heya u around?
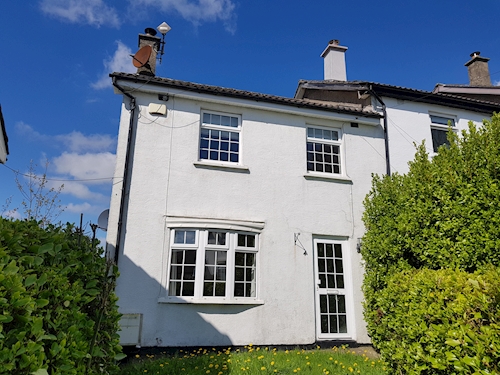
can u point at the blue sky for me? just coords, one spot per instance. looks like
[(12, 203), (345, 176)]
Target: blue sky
[(58, 103)]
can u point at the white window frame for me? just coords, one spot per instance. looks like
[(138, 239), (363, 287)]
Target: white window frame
[(338, 143), (440, 126), (231, 247), (220, 128)]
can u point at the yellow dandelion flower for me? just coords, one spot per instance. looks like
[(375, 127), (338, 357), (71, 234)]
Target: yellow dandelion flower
[(262, 368), (137, 356), (208, 371), (211, 365), (331, 358), (272, 363), (308, 363)]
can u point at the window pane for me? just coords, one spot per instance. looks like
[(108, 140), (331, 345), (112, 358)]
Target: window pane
[(235, 136), (318, 133), (206, 118), (189, 272), (210, 257), (221, 258), (439, 138), (241, 240), (215, 119), (342, 324), (250, 240), (177, 256), (211, 238), (240, 259), (329, 250), (224, 146), (190, 256), (208, 289), (239, 274), (221, 239), (239, 289), (338, 250), (339, 268), (220, 289), (234, 122), (179, 236), (225, 120), (188, 289), (250, 259), (209, 273), (333, 324), (340, 281), (221, 274), (234, 158), (190, 237), (174, 288), (250, 290), (176, 272)]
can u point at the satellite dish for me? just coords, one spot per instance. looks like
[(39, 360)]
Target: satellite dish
[(141, 57), (102, 221)]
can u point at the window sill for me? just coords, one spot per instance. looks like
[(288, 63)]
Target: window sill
[(222, 166), (327, 177), (210, 301)]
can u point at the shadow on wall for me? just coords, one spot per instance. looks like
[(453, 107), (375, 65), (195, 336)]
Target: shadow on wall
[(168, 324)]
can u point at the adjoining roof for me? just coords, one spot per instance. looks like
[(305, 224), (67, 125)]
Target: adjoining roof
[(466, 89), (4, 133), (399, 92), (242, 94)]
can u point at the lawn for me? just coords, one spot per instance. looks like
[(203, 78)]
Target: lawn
[(255, 360)]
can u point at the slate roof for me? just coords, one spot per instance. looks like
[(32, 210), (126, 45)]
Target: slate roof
[(243, 94)]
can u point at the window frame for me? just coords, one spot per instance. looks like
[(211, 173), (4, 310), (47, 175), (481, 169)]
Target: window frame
[(440, 127), (230, 129), (231, 247), (339, 143)]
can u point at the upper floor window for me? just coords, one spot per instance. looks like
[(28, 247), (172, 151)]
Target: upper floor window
[(213, 264), (323, 150), (439, 130), (220, 137)]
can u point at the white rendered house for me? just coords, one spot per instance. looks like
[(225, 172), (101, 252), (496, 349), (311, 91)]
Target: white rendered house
[(239, 217)]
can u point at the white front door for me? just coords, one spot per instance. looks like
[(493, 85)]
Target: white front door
[(333, 315)]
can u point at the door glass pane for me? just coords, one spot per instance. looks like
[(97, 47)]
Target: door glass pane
[(342, 324), (322, 304), (340, 281), (332, 303), (333, 324), (324, 323), (341, 304)]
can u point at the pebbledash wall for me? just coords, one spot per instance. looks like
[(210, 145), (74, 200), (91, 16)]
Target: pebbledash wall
[(269, 194)]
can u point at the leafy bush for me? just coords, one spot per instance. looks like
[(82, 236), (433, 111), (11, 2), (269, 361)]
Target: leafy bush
[(444, 213), (57, 306), (441, 322)]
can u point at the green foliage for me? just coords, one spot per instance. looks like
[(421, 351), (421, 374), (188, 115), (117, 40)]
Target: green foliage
[(445, 213), (441, 322), (55, 287)]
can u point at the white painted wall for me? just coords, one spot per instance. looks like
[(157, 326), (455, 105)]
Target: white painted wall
[(164, 181), (3, 148), (409, 123)]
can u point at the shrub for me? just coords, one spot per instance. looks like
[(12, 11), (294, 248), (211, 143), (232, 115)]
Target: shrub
[(57, 307), (441, 322), (445, 213)]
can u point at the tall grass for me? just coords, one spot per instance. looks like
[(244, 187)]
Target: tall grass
[(256, 360)]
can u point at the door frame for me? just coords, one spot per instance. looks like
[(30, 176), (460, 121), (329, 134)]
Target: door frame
[(349, 300)]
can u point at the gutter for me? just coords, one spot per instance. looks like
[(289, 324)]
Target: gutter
[(386, 135), (125, 171)]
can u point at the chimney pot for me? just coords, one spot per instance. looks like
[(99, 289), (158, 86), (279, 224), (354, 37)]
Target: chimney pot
[(150, 31)]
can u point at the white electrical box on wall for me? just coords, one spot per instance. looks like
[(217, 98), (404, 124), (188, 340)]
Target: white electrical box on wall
[(130, 333), (157, 109)]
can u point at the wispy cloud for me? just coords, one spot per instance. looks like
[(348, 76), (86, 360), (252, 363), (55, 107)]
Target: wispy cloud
[(197, 12), (92, 12), (119, 62)]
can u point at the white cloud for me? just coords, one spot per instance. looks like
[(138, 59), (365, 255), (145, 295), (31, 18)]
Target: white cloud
[(79, 190), (74, 141), (86, 166), (78, 142), (92, 12), (80, 208), (198, 11), (119, 62), (12, 214)]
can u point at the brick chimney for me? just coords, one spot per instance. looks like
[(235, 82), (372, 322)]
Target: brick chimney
[(334, 61), (149, 38), (479, 74)]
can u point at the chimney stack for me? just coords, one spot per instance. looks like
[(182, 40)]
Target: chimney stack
[(479, 74), (334, 61), (149, 38)]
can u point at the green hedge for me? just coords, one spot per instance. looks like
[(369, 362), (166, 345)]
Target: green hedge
[(57, 307), (440, 322)]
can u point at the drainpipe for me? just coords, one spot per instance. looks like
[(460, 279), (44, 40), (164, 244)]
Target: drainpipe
[(386, 135), (125, 172)]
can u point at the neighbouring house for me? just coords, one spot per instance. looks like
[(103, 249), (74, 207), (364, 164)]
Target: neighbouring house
[(409, 116), (239, 216), (4, 140)]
